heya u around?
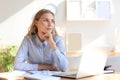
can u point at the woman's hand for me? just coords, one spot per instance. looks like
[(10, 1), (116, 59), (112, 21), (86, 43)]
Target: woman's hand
[(48, 67), (49, 38)]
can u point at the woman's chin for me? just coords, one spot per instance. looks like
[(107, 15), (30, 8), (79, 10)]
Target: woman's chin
[(49, 31)]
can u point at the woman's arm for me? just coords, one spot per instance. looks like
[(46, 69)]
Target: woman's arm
[(59, 55), (48, 67), (59, 51), (22, 56)]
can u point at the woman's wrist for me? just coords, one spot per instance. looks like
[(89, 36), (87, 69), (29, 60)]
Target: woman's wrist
[(41, 67), (48, 67), (53, 46)]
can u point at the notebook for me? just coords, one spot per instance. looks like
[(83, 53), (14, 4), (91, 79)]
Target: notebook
[(92, 62)]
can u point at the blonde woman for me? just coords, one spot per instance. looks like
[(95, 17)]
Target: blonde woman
[(42, 48)]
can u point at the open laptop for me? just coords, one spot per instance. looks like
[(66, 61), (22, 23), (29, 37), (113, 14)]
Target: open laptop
[(92, 62)]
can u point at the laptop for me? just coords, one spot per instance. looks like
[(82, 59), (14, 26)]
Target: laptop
[(92, 62)]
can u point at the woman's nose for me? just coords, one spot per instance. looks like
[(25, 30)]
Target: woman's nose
[(50, 23)]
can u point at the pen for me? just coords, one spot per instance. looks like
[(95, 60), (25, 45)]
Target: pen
[(29, 72)]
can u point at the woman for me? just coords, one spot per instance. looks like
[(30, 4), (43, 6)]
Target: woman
[(42, 48)]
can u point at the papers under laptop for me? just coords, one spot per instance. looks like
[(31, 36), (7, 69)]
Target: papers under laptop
[(92, 62)]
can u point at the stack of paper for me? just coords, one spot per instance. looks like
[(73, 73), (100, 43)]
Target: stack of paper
[(40, 77)]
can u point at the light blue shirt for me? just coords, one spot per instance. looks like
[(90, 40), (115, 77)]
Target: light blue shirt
[(33, 52)]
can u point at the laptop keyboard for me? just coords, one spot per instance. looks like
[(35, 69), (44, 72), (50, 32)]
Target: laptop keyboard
[(65, 74), (71, 75)]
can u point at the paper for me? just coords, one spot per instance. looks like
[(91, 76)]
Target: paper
[(17, 72), (36, 76), (44, 72)]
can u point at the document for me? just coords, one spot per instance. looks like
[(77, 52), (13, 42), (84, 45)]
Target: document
[(31, 75), (40, 75)]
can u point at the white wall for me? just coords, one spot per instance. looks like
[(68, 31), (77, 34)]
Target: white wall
[(15, 18), (92, 30)]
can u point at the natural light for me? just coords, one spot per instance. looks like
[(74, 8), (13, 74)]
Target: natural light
[(14, 28)]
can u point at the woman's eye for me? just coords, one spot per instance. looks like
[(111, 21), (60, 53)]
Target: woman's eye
[(46, 20), (53, 21)]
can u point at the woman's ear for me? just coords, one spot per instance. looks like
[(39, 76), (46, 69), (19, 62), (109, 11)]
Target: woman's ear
[(36, 22)]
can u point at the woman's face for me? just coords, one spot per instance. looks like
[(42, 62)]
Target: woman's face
[(46, 23)]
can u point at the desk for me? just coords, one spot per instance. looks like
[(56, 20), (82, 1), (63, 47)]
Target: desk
[(113, 76), (114, 53)]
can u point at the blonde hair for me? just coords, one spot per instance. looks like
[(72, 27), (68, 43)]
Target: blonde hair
[(33, 29)]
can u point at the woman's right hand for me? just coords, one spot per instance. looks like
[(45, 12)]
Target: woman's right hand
[(48, 67)]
